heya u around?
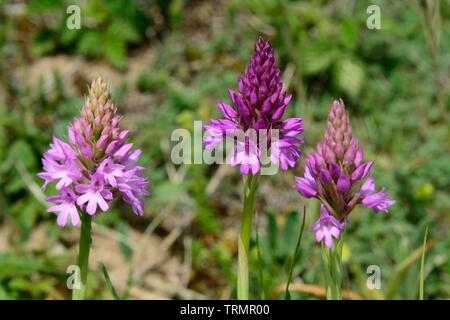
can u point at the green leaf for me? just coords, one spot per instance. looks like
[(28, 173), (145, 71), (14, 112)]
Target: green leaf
[(19, 151), (349, 76), (272, 232), (124, 30), (348, 34), (15, 266), (115, 51), (36, 288), (316, 58), (150, 82), (38, 6), (42, 44), (91, 44), (290, 231), (70, 37), (167, 192)]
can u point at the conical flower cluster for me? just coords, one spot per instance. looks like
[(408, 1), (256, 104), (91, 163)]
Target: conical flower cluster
[(259, 106), (96, 165), (338, 176)]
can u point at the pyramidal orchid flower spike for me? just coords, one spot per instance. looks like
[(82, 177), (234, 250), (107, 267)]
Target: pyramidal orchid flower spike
[(258, 106), (255, 116), (95, 166), (338, 176)]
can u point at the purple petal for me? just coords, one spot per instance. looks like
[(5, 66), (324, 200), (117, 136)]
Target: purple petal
[(343, 183)]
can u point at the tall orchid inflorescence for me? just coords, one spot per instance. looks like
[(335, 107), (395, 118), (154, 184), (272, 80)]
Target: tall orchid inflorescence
[(337, 175), (259, 106), (254, 127), (96, 165)]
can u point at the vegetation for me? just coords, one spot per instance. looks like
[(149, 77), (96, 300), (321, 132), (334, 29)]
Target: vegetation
[(170, 62)]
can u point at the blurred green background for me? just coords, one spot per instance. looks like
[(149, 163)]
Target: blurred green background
[(169, 62)]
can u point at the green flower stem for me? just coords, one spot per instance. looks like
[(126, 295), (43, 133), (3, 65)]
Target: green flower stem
[(244, 237), (83, 255), (332, 259)]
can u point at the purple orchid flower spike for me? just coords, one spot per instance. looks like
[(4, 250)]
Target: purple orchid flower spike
[(253, 125), (93, 168), (96, 165), (258, 106), (338, 176)]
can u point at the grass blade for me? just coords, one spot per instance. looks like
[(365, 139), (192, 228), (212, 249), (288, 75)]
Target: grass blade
[(260, 271), (399, 271), (422, 264), (108, 281), (287, 295)]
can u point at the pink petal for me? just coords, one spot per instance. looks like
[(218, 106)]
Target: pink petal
[(102, 203), (328, 240), (84, 198), (62, 218), (92, 205)]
